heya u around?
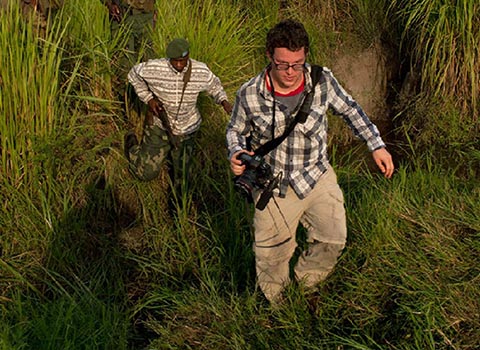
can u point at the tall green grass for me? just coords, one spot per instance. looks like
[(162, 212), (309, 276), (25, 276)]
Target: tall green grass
[(31, 102), (421, 256), (91, 259), (89, 42), (55, 290), (442, 40), (231, 42)]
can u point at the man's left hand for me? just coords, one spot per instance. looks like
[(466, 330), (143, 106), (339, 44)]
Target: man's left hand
[(115, 11), (383, 159), (227, 106)]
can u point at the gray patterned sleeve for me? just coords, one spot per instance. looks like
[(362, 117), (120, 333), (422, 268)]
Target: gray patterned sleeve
[(135, 78)]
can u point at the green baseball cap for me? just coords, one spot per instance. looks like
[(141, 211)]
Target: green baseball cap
[(177, 48)]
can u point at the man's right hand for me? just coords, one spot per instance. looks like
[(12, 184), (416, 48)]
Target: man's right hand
[(115, 11), (236, 164), (155, 106)]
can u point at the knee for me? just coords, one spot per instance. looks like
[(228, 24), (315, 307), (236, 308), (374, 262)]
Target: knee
[(144, 175), (327, 251), (275, 254)]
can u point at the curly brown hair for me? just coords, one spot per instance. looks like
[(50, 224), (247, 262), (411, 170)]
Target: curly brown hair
[(288, 33)]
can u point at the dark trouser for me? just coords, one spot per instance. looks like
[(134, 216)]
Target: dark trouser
[(148, 157), (138, 45)]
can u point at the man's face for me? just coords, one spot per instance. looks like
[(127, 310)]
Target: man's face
[(179, 63), (287, 68)]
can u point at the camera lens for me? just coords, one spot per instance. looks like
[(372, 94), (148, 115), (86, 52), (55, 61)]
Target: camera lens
[(244, 184), (243, 188)]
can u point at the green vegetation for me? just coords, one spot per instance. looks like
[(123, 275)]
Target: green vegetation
[(442, 38), (90, 258)]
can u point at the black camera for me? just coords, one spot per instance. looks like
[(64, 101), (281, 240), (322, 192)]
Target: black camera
[(257, 175)]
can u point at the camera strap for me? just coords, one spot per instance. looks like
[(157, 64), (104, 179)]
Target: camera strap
[(300, 117)]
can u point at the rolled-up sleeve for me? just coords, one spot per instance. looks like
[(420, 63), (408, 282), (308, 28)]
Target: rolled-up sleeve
[(215, 88), (237, 128), (353, 114)]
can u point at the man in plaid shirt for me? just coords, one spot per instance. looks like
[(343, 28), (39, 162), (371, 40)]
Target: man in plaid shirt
[(308, 191)]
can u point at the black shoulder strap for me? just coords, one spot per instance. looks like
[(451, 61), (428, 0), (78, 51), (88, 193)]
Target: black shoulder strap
[(186, 79), (301, 116)]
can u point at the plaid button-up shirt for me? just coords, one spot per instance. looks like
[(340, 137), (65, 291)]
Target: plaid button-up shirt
[(302, 156)]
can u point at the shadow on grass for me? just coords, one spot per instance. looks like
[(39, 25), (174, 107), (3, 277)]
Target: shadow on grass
[(88, 270)]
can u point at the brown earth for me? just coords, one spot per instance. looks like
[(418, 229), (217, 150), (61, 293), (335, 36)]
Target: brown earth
[(365, 75)]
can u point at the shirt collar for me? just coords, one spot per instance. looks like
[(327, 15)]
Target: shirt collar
[(265, 91)]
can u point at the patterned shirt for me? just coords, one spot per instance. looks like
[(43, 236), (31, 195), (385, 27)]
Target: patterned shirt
[(302, 156), (157, 78)]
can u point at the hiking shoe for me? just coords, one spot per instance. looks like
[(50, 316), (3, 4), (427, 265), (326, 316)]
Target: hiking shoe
[(129, 141)]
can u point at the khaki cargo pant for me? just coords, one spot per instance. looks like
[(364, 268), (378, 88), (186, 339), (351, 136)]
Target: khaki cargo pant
[(322, 214)]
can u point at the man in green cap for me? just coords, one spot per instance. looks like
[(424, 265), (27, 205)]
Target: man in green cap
[(170, 87)]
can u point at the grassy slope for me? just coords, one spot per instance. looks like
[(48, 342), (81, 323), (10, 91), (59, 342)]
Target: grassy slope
[(90, 259)]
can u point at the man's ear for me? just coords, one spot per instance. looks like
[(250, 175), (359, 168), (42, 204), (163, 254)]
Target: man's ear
[(269, 56)]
